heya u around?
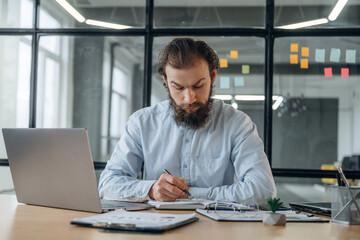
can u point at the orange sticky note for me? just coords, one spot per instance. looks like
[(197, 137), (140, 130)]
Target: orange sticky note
[(294, 59), (305, 51), (345, 72), (223, 63), (304, 63), (294, 47), (328, 72), (233, 54)]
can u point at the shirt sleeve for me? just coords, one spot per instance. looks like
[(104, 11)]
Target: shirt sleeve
[(254, 181), (118, 180)]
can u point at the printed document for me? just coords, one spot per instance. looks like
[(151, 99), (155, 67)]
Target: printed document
[(253, 216), (141, 220)]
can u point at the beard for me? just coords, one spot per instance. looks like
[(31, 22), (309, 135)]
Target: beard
[(193, 120)]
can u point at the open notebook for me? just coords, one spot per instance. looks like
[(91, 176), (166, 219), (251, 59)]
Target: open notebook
[(181, 204), (186, 204)]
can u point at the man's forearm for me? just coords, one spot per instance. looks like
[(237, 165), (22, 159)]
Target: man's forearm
[(114, 186), (241, 192)]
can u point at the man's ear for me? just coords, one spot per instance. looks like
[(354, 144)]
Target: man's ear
[(165, 82), (213, 76)]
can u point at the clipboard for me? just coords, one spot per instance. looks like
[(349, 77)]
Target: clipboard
[(137, 222)]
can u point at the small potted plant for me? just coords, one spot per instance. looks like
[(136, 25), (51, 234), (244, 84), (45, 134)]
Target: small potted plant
[(273, 218)]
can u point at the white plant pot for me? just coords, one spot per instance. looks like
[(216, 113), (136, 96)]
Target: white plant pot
[(274, 219)]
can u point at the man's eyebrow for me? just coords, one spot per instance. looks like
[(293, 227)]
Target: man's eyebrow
[(193, 85), (199, 81), (175, 83)]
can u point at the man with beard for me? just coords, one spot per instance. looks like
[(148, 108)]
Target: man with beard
[(212, 149)]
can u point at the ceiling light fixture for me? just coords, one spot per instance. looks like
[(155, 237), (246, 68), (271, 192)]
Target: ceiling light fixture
[(337, 9), (305, 24), (223, 97), (250, 97), (278, 101), (71, 10), (106, 24)]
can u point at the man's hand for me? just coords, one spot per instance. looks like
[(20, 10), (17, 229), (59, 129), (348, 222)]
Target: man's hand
[(168, 188)]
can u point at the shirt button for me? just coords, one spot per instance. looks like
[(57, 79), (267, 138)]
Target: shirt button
[(185, 166), (186, 140)]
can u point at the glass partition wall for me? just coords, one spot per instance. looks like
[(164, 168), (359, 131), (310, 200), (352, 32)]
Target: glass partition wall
[(292, 66)]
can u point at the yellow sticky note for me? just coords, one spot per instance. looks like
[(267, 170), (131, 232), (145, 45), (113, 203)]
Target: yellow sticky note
[(304, 63), (305, 51), (294, 47), (294, 59), (233, 54), (223, 63), (245, 69)]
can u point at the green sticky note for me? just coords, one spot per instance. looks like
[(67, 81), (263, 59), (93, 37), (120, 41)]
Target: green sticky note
[(245, 69)]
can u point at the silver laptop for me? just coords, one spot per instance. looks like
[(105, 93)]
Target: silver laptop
[(54, 168)]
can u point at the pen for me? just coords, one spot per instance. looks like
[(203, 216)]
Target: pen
[(185, 191)]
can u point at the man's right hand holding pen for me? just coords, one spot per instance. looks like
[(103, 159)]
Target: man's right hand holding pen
[(168, 188)]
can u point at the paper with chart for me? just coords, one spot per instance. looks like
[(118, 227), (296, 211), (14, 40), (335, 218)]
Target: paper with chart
[(250, 216), (139, 219)]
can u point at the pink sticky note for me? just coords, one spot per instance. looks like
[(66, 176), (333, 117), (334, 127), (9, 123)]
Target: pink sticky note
[(328, 72), (345, 72)]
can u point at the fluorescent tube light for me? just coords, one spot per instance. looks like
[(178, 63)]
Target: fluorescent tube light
[(223, 97), (254, 97), (305, 24), (250, 97), (337, 9), (278, 101), (71, 10), (106, 24)]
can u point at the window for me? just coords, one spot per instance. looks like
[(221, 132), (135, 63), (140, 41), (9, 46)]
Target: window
[(94, 14), (119, 110), (89, 82), (316, 14), (16, 13), (209, 14), (15, 59), (316, 123)]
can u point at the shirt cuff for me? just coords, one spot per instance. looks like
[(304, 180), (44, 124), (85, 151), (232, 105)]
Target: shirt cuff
[(199, 192), (145, 188)]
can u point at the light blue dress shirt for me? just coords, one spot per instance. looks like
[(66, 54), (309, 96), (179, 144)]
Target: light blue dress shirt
[(224, 160)]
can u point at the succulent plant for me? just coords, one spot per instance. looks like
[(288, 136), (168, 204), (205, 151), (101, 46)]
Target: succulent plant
[(274, 204)]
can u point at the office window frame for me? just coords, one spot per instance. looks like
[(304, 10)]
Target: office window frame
[(269, 33)]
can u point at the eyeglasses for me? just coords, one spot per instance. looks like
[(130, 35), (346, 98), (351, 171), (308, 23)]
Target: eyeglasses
[(228, 209)]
